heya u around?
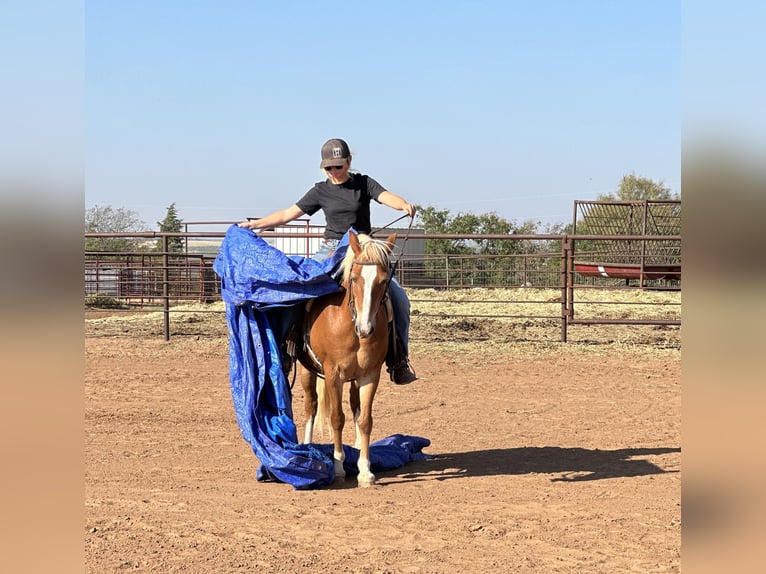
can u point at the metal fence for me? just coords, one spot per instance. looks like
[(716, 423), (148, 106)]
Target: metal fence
[(151, 279)]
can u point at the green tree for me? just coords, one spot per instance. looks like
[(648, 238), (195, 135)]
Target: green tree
[(108, 219), (615, 218), (171, 224), (482, 271), (635, 188), (435, 220)]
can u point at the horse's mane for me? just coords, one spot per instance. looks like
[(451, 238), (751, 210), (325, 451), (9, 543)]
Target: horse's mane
[(373, 251)]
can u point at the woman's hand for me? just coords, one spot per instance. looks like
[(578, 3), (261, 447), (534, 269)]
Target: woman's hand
[(250, 224), (409, 209)]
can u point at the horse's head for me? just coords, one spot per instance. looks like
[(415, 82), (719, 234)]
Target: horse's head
[(365, 274)]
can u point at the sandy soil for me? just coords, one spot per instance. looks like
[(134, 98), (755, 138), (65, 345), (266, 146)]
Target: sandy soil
[(561, 461)]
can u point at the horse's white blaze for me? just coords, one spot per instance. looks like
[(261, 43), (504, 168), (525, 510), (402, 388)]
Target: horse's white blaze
[(369, 274)]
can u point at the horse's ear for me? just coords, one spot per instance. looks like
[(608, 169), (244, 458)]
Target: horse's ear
[(353, 242), (391, 242)]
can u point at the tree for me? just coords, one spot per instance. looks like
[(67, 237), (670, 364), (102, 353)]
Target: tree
[(634, 188), (441, 221), (171, 224), (107, 219), (483, 271), (630, 219), (437, 221)]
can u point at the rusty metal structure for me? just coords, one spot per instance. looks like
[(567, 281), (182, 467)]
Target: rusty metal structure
[(166, 279), (646, 260)]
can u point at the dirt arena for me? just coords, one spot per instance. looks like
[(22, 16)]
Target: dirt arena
[(552, 458)]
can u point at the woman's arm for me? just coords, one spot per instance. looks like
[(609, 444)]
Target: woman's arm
[(272, 220), (396, 202)]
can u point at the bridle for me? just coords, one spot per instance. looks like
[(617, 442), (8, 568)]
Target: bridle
[(351, 300), (391, 267)]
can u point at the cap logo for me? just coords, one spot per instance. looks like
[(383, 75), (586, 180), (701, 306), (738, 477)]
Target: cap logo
[(337, 152)]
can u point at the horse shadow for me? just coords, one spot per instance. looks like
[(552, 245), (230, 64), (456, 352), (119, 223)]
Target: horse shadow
[(570, 464)]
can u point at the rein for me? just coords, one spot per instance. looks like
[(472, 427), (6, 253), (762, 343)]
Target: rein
[(392, 268)]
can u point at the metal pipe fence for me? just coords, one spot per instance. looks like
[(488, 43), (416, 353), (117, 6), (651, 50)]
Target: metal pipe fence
[(152, 276)]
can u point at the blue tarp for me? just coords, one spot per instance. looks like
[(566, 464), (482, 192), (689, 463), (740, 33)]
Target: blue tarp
[(259, 285)]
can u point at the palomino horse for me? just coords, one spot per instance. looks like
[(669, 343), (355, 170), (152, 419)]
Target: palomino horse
[(346, 339)]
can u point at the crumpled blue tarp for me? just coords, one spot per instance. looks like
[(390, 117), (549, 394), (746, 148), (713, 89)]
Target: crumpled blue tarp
[(259, 284)]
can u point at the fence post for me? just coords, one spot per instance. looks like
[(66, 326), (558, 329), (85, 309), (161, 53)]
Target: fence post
[(565, 248), (166, 287)]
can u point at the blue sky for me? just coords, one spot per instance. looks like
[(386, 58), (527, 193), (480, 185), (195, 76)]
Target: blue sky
[(496, 105)]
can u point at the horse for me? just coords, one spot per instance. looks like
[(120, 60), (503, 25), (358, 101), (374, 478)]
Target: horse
[(346, 340)]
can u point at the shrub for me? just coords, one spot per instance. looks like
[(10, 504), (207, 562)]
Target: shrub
[(103, 301)]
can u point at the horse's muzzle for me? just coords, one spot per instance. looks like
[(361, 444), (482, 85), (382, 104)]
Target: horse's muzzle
[(364, 334)]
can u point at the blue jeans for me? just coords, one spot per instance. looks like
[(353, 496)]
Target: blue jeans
[(399, 300)]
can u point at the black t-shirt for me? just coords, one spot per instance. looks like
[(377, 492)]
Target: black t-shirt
[(345, 205)]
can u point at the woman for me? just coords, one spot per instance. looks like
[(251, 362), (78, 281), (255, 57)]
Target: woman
[(344, 198)]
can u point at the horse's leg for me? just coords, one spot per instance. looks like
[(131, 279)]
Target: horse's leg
[(309, 384), (334, 395), (353, 400), (364, 426)]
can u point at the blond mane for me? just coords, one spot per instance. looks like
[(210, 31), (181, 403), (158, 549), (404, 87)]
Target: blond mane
[(373, 251)]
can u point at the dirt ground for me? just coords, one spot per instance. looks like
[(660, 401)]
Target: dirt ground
[(566, 460)]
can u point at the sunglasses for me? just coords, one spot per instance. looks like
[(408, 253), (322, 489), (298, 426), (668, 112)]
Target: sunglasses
[(332, 167)]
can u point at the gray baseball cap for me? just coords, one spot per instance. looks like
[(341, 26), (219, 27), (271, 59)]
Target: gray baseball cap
[(334, 152)]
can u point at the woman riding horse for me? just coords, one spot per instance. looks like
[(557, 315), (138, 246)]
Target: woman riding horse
[(344, 198)]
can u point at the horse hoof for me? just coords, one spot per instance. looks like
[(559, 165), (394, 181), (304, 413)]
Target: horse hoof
[(366, 482)]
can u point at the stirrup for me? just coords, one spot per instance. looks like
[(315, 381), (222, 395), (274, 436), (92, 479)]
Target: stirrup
[(403, 373)]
